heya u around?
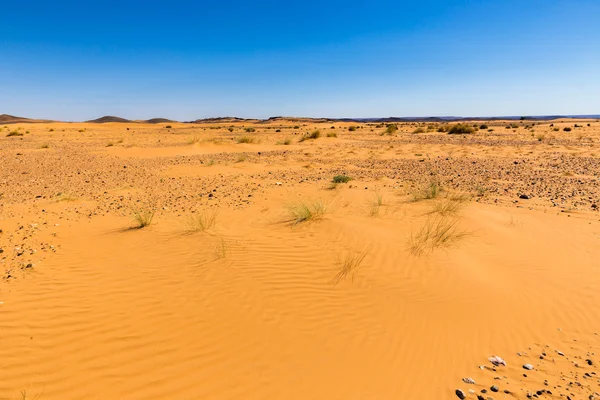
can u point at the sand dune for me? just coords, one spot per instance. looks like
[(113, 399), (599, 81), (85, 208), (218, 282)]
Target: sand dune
[(258, 278)]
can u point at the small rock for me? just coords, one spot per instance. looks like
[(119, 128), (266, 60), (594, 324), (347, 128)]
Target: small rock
[(496, 361), (528, 367), (470, 381), (494, 388), (460, 394)]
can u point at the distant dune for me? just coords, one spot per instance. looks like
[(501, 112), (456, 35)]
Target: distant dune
[(109, 118)]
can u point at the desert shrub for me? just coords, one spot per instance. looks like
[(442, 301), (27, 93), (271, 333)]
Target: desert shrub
[(483, 126), (460, 129), (245, 139), (443, 128), (278, 130), (230, 129), (249, 130), (14, 133), (331, 134), (168, 127), (419, 130), (391, 129), (313, 135), (341, 179), (567, 129), (352, 128)]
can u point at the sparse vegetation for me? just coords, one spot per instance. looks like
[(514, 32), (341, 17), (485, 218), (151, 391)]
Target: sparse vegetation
[(431, 191), (250, 130), (202, 221), (436, 233), (419, 130), (303, 212), (341, 179), (142, 217), (44, 146), (352, 128), (331, 134), (391, 129), (447, 206), (567, 129), (349, 265), (245, 139), (14, 133), (461, 129), (311, 136)]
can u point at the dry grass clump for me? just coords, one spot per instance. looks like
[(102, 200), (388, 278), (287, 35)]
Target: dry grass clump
[(313, 135), (14, 133), (375, 206), (286, 142), (193, 139), (349, 265), (445, 207), (431, 191), (245, 139), (202, 221), (142, 217), (437, 233), (304, 211), (461, 129), (44, 146), (331, 134)]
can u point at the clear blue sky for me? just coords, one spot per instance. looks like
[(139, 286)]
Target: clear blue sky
[(77, 60)]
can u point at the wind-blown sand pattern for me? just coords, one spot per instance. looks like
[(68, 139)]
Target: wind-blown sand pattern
[(379, 293)]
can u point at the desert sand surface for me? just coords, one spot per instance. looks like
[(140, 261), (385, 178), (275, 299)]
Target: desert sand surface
[(257, 277)]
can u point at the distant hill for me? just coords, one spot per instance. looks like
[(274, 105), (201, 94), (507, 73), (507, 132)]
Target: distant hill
[(157, 121), (11, 119), (108, 118), (221, 120)]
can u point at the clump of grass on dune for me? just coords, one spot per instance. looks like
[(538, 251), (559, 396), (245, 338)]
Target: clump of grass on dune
[(142, 217), (430, 191), (311, 136), (14, 133), (305, 211), (436, 233), (193, 139), (44, 146), (349, 265), (375, 206), (200, 222), (447, 206), (245, 139)]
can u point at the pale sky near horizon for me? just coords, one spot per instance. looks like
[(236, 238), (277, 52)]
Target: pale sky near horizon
[(185, 60)]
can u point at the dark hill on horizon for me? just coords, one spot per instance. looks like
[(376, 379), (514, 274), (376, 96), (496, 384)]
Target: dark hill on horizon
[(108, 118), (12, 119)]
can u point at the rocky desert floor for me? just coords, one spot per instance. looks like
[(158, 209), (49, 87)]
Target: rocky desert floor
[(221, 261)]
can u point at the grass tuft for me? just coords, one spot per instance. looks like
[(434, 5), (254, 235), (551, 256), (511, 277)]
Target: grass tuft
[(349, 265), (142, 217), (437, 233), (201, 222), (303, 212), (245, 139)]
